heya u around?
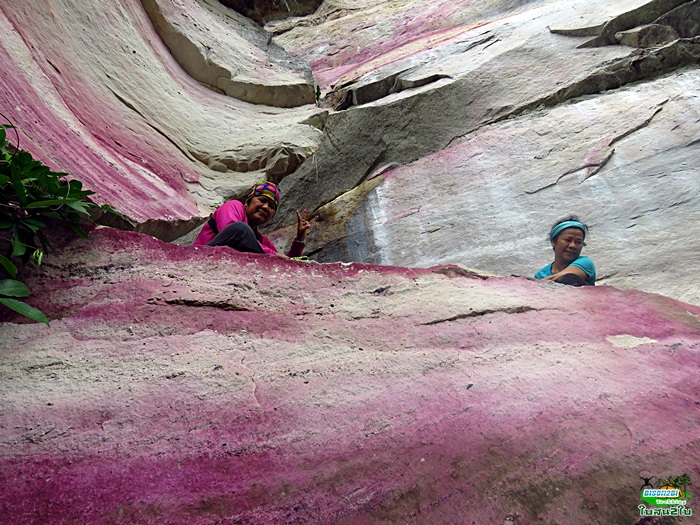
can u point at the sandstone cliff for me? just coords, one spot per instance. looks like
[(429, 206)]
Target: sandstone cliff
[(390, 384), (199, 386)]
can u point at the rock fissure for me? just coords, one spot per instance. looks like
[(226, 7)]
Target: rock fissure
[(479, 313), (595, 166), (207, 303), (639, 126)]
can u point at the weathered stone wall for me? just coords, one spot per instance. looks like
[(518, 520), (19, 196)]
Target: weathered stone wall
[(197, 386), (492, 127), (94, 92)]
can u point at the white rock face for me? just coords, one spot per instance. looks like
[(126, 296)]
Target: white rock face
[(624, 161), (452, 132), (499, 129)]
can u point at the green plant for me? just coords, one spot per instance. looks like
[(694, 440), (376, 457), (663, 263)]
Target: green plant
[(32, 196), (10, 288)]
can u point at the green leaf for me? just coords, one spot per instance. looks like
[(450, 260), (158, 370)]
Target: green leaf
[(52, 202), (18, 245), (49, 182), (81, 207), (3, 135), (16, 174), (34, 222), (5, 225), (7, 264), (77, 229), (29, 225), (38, 169), (18, 249), (109, 209), (13, 288), (25, 310), (23, 158)]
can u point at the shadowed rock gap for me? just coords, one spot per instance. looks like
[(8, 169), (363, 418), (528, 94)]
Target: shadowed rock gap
[(195, 303), (264, 11), (480, 313), (646, 14)]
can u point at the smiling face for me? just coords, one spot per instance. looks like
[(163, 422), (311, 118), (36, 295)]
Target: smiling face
[(567, 246), (259, 210)]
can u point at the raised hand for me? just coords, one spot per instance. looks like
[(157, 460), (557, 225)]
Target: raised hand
[(303, 226)]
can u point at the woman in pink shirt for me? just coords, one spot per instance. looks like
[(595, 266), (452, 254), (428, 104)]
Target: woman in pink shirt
[(235, 223)]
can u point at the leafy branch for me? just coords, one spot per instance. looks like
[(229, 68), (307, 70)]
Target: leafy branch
[(31, 197)]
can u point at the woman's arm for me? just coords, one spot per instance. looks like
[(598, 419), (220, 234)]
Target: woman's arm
[(569, 269)]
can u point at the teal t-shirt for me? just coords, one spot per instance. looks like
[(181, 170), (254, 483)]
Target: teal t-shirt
[(585, 263)]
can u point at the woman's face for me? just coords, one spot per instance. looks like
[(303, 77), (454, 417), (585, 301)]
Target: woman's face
[(259, 210), (568, 245)]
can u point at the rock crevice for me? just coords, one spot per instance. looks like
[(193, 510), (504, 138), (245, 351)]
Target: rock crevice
[(264, 11)]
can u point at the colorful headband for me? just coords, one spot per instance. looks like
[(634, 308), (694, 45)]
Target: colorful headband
[(265, 189), (567, 224)]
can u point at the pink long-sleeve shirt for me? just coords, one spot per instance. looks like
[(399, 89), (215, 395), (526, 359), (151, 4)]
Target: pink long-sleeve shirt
[(234, 211)]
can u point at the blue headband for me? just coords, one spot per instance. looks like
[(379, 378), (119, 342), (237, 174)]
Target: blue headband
[(567, 224)]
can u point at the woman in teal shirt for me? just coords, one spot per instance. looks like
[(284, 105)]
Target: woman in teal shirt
[(569, 267)]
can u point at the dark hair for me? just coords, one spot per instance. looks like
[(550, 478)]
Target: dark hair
[(566, 219)]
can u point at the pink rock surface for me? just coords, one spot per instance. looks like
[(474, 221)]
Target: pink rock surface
[(75, 125), (380, 33), (344, 41), (184, 385), (95, 93)]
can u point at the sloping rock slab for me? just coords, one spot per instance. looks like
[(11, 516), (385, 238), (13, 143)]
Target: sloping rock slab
[(497, 68), (193, 386), (226, 51), (345, 40), (95, 93)]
